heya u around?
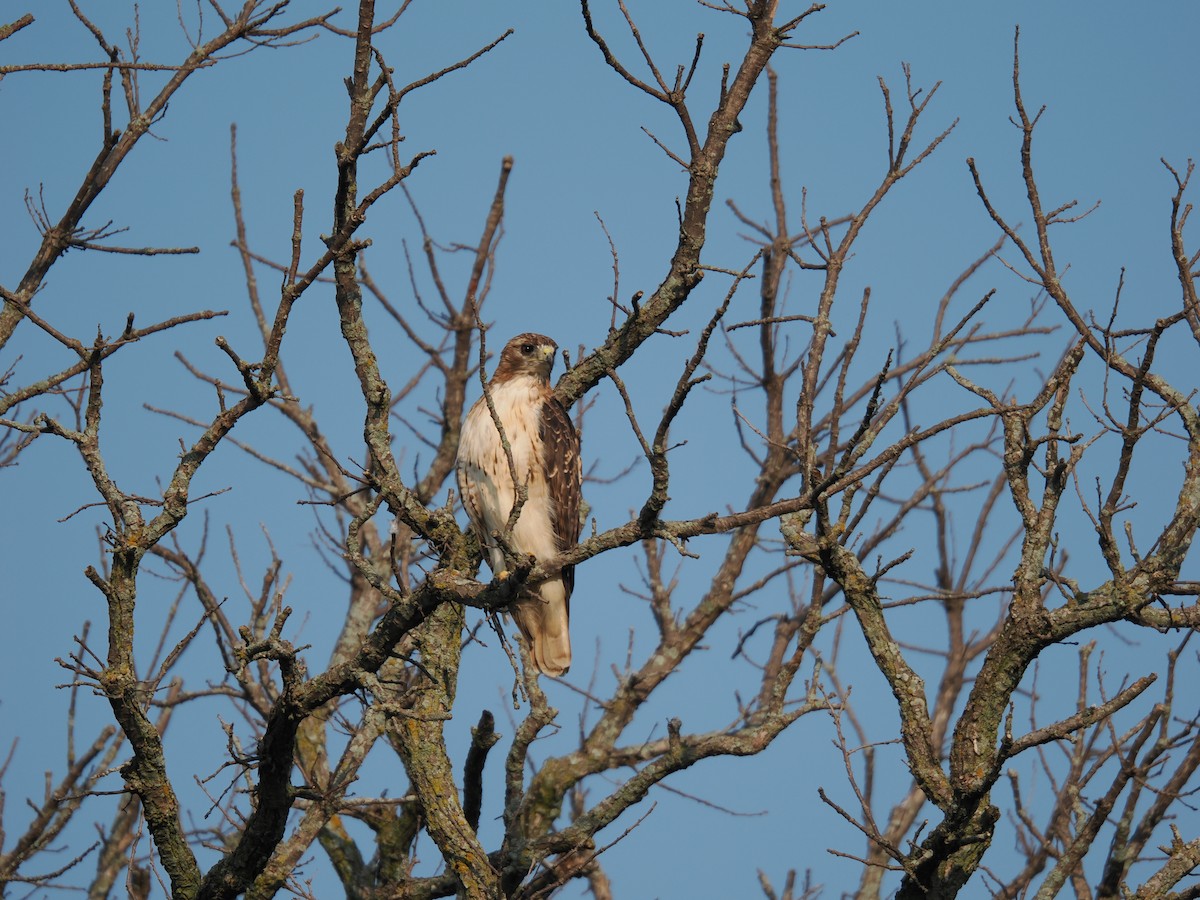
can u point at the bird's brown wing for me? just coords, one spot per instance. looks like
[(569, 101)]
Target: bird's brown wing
[(562, 469)]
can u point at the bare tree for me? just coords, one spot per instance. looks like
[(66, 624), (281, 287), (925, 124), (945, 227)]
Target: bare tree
[(844, 449)]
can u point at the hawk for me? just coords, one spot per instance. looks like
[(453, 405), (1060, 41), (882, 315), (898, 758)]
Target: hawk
[(545, 453)]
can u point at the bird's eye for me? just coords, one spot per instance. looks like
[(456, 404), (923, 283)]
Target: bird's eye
[(527, 349)]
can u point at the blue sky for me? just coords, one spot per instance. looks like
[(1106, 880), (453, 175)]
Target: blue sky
[(1116, 85)]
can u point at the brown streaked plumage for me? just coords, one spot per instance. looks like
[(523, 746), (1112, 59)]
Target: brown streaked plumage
[(545, 451)]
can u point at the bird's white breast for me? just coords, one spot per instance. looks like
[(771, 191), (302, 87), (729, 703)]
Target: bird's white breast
[(517, 402), (482, 460)]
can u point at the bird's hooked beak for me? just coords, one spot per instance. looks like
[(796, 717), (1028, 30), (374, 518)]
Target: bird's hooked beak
[(547, 352)]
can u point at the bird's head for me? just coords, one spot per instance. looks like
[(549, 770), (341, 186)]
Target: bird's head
[(527, 354)]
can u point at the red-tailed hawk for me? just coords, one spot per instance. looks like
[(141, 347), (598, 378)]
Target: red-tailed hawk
[(545, 452)]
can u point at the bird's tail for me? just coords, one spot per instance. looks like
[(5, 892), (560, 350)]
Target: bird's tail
[(543, 619)]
